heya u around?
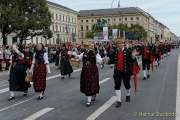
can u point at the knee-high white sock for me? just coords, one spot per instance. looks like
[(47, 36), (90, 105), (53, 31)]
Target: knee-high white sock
[(118, 95), (144, 72), (89, 98), (128, 92), (11, 93)]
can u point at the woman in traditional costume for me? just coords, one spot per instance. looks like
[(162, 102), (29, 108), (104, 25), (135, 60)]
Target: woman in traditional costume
[(89, 81), (66, 68), (17, 74), (39, 69)]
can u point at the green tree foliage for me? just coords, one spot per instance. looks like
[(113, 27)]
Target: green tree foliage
[(26, 18)]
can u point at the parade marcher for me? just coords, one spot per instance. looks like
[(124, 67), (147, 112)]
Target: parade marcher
[(123, 70), (17, 74), (146, 60), (157, 54), (89, 81), (1, 57), (65, 66), (28, 54), (7, 54), (39, 69)]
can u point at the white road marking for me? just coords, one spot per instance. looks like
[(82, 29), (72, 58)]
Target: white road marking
[(39, 114), (105, 80), (3, 85), (16, 104), (102, 109), (178, 91), (48, 78), (4, 90), (56, 76)]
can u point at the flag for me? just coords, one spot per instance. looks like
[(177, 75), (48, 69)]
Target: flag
[(119, 4)]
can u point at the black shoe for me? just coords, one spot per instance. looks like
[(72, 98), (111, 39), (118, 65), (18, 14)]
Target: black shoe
[(127, 98), (25, 94), (144, 78), (11, 98), (94, 98), (118, 104), (40, 97), (62, 78), (148, 76), (88, 104)]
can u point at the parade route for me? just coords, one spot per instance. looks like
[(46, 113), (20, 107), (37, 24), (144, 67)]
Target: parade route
[(63, 100)]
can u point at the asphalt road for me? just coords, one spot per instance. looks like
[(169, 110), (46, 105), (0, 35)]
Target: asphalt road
[(64, 101)]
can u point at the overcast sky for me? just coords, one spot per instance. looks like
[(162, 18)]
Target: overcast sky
[(165, 11)]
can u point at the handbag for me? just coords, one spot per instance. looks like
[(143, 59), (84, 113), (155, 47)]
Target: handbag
[(29, 77)]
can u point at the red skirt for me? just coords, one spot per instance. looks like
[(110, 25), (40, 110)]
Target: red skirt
[(89, 83), (39, 77)]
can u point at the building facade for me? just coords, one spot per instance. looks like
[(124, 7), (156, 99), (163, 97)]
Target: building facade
[(115, 16), (64, 27)]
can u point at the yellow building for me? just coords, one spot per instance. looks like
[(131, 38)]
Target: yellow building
[(129, 16), (64, 25)]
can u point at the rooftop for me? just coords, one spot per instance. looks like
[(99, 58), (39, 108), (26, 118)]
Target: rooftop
[(113, 11), (61, 6)]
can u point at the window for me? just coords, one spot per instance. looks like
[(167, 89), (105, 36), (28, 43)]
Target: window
[(119, 19), (87, 21), (63, 18), (81, 28), (53, 27), (56, 27), (92, 21), (114, 19), (60, 28), (125, 19), (81, 21), (137, 18), (56, 16), (132, 18), (109, 20), (87, 28), (82, 35), (60, 17)]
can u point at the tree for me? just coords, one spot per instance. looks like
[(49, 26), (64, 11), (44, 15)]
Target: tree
[(26, 18), (8, 16), (34, 20)]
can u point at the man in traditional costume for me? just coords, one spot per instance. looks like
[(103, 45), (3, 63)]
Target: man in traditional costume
[(123, 70), (146, 60)]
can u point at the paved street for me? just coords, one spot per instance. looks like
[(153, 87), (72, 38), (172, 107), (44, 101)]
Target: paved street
[(64, 101)]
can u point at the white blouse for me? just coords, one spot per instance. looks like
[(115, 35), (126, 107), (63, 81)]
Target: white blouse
[(46, 61), (98, 58)]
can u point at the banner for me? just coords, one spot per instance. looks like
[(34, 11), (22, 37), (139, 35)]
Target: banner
[(114, 33), (105, 33)]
